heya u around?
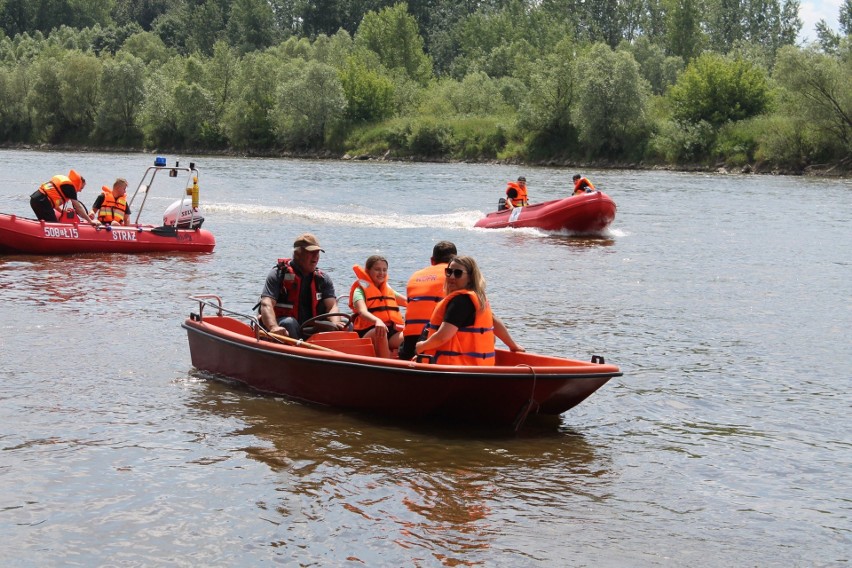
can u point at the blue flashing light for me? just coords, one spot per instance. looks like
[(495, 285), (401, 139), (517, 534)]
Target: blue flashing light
[(159, 161)]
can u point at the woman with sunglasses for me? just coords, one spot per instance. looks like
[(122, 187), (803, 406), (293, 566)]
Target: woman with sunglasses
[(462, 328)]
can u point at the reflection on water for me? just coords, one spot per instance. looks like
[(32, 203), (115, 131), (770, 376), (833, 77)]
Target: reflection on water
[(437, 485), (81, 277)]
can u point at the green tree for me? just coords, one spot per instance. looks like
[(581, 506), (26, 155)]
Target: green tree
[(660, 70), (369, 92), (219, 78), (122, 91), (816, 87), (44, 100), (725, 20), (610, 112), (310, 103), (717, 90), (18, 16), (246, 121), (158, 114), (148, 47), (142, 12), (683, 28), (545, 114), (392, 34), (15, 124), (251, 25), (845, 18), (80, 94)]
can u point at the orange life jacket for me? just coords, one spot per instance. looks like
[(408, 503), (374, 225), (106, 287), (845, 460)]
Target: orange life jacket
[(472, 345), (425, 289), (52, 189), (381, 302), (521, 199), (287, 302), (583, 184), (112, 209)]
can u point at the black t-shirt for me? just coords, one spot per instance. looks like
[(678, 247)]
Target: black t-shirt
[(68, 190), (460, 311), (512, 193)]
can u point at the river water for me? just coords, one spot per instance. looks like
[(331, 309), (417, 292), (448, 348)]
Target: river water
[(725, 300)]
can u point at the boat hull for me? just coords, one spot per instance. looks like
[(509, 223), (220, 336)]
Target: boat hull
[(585, 214), (503, 395), (19, 235)]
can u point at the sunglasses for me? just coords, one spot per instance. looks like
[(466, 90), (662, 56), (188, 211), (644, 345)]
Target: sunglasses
[(455, 272)]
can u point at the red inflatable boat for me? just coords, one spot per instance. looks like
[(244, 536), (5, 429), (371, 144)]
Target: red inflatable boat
[(586, 214), (181, 230)]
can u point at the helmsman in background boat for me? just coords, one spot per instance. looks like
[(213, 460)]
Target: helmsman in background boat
[(110, 207), (516, 193), (296, 290), (582, 185), (54, 195)]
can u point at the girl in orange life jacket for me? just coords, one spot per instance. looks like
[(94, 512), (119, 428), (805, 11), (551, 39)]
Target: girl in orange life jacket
[(376, 306), (462, 328), (110, 207), (54, 194)]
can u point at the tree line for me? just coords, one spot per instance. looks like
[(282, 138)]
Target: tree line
[(670, 82)]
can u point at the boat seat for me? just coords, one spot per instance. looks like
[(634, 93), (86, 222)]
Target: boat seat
[(325, 335), (230, 324), (354, 346)]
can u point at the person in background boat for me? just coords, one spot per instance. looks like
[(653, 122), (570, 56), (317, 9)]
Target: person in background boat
[(376, 306), (582, 185), (425, 289), (296, 290), (54, 195), (516, 193), (462, 328), (110, 207)]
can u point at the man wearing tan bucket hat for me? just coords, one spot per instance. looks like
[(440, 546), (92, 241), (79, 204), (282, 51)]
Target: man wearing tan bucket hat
[(296, 290)]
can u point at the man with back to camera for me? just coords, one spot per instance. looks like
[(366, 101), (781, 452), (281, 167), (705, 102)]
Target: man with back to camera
[(425, 289)]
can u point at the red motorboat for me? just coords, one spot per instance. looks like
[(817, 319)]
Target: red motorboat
[(341, 370), (585, 214), (180, 232)]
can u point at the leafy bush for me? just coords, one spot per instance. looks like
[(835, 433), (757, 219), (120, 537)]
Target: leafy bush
[(681, 143), (716, 90), (736, 142)]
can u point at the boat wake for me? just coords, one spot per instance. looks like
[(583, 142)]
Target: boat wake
[(455, 219)]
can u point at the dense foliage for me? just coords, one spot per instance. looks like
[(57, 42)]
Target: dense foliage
[(608, 81)]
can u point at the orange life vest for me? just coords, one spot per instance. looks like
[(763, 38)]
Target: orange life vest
[(425, 289), (584, 185), (472, 345), (521, 199), (112, 209), (287, 302), (381, 302), (52, 189)]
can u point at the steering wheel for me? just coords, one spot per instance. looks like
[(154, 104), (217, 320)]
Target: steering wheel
[(322, 323)]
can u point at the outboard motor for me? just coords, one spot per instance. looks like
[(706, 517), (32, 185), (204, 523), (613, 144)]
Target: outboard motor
[(182, 215), (501, 204)]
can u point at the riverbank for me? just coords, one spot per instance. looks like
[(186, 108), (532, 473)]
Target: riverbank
[(840, 170)]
